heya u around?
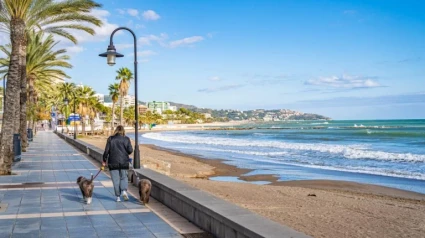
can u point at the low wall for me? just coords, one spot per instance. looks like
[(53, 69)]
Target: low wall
[(212, 214)]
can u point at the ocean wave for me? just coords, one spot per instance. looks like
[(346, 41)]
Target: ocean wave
[(310, 164), (350, 152), (365, 170), (238, 151), (319, 123)]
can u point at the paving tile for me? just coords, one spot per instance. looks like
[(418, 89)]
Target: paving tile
[(54, 233), (168, 235), (138, 234), (26, 235), (4, 234), (82, 232), (111, 234), (148, 217), (160, 228)]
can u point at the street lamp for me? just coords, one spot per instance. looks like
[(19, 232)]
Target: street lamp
[(110, 55), (66, 102), (154, 107)]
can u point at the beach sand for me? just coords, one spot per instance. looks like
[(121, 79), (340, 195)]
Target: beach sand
[(333, 209)]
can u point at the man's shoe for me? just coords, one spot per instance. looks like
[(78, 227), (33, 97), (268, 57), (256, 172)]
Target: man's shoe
[(118, 199), (124, 195)]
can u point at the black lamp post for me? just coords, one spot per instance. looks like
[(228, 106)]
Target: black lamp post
[(110, 55), (66, 102), (154, 107)]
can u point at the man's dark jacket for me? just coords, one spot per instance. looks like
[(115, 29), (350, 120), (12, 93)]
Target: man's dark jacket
[(117, 151)]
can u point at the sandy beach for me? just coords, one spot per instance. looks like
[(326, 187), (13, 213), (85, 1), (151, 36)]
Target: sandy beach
[(319, 208)]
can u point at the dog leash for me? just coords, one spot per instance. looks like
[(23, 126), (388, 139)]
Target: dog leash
[(101, 168), (132, 168)]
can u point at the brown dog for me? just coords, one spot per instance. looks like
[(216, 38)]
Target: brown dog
[(144, 190), (86, 187)]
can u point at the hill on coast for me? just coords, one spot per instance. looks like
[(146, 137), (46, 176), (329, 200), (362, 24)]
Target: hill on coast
[(257, 114)]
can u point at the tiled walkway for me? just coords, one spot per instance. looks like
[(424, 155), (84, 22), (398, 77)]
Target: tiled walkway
[(43, 199)]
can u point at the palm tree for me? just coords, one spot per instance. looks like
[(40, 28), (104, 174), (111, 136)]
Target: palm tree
[(94, 107), (16, 18), (43, 67), (125, 76), (129, 115), (66, 90), (84, 95), (114, 92)]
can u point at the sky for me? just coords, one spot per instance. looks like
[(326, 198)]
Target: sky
[(342, 59)]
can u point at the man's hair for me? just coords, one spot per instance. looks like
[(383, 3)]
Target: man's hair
[(119, 131)]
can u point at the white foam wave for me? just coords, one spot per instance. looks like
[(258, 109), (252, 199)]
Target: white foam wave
[(245, 152), (352, 169), (320, 123), (349, 152), (366, 170)]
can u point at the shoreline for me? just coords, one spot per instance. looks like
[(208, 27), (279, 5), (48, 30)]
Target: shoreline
[(319, 208), (223, 169)]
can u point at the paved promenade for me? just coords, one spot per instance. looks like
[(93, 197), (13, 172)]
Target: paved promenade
[(43, 199)]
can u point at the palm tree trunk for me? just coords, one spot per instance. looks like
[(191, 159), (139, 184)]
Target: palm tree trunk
[(92, 126), (31, 101), (121, 110), (17, 36), (83, 126), (23, 102), (113, 115)]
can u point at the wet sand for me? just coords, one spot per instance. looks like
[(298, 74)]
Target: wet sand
[(320, 208)]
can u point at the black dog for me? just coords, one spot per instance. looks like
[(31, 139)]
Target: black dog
[(86, 187)]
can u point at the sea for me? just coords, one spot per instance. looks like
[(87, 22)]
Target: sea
[(382, 152)]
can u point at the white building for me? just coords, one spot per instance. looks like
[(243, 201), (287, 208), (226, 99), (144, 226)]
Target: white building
[(100, 97), (128, 101)]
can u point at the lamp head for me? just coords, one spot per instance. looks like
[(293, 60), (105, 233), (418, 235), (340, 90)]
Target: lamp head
[(110, 55), (66, 101)]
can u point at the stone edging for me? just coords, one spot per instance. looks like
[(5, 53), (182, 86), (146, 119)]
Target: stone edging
[(212, 214)]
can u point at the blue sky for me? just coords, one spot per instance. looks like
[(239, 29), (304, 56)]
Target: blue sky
[(343, 59)]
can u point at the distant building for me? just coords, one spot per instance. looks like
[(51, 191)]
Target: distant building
[(100, 97), (158, 107), (207, 115), (142, 109), (128, 101)]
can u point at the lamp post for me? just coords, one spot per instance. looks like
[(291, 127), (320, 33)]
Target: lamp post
[(154, 107), (66, 102), (110, 55)]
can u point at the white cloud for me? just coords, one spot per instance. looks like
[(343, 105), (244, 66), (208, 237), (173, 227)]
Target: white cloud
[(121, 11), (345, 82), (138, 26), (211, 34), (215, 78), (150, 15), (222, 88), (186, 41), (74, 49), (133, 12), (146, 53), (147, 40), (123, 46), (130, 24)]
